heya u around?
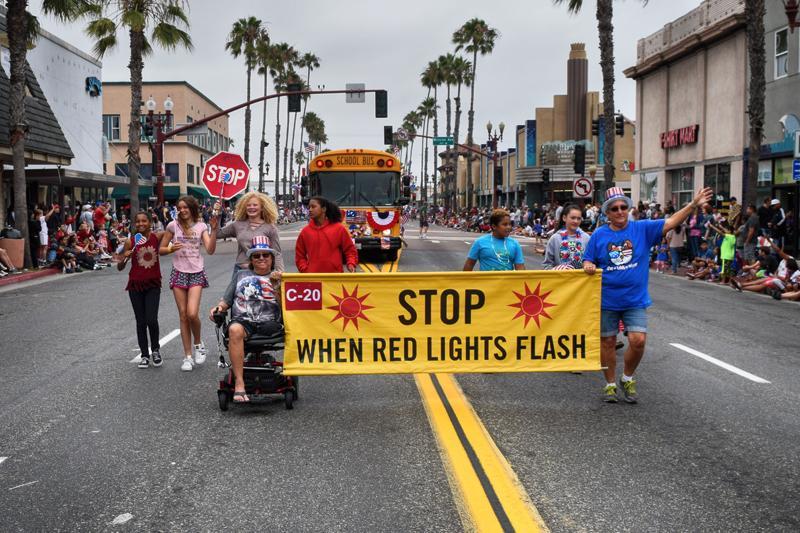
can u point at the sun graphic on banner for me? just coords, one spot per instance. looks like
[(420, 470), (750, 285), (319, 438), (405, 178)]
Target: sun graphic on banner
[(532, 305), (350, 307)]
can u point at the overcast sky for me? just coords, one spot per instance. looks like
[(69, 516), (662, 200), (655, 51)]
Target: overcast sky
[(387, 45)]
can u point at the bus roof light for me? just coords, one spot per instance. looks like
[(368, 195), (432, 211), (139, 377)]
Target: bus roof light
[(390, 163), (380, 163), (328, 163), (320, 163)]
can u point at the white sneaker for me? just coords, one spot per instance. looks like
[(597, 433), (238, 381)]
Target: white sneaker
[(200, 353), (188, 364)]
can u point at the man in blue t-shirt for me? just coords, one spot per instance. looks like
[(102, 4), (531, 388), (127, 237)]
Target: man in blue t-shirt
[(622, 249)]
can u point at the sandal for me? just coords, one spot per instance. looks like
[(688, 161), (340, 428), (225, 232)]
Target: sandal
[(240, 397)]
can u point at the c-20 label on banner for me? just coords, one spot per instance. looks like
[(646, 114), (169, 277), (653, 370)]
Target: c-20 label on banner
[(519, 321)]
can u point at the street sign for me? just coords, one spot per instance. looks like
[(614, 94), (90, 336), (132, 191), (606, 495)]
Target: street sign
[(401, 134), (582, 187), (202, 129), (796, 170), (439, 141), (225, 175), (355, 98)]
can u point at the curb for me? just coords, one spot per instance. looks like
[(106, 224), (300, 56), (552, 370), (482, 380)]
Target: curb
[(13, 279)]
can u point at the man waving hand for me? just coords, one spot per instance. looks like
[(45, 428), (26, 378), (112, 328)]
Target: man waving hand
[(622, 249)]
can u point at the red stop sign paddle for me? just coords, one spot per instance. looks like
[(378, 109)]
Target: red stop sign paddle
[(225, 175)]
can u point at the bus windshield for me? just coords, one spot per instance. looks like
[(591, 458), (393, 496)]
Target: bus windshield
[(360, 188)]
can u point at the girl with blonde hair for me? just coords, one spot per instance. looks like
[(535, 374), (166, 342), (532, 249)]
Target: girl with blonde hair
[(255, 215)]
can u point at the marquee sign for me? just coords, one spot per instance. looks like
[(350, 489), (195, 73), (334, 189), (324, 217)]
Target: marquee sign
[(679, 137)]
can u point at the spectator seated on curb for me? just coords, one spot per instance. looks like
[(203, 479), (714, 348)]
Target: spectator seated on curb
[(700, 261), (772, 285), (6, 266), (792, 290)]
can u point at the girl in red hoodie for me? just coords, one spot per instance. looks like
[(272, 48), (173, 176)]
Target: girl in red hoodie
[(324, 242)]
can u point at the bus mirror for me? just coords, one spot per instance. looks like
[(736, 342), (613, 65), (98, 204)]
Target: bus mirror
[(304, 199), (304, 181), (404, 200), (406, 182)]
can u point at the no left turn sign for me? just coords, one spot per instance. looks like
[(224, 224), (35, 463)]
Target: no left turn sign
[(582, 188)]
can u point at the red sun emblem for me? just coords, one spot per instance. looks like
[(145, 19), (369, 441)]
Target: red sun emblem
[(532, 305), (350, 307)]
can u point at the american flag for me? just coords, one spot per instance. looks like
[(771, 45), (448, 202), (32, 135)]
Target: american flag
[(310, 147), (404, 218)]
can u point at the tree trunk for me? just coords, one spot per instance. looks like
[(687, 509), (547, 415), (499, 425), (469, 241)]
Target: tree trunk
[(286, 156), (605, 28), (435, 147), (135, 126), (292, 160), (455, 145), (754, 14), (17, 44), (303, 120), (470, 124), (261, 147), (2, 198), (277, 149), (447, 174), (247, 117)]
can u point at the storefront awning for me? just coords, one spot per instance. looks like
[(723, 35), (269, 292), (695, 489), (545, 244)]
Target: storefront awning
[(123, 191), (199, 192)]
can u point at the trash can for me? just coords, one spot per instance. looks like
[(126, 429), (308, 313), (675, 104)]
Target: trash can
[(15, 248)]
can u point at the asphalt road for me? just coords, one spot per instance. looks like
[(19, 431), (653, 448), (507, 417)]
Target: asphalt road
[(87, 439)]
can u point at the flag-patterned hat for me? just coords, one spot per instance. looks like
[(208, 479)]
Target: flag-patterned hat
[(612, 195), (260, 244)]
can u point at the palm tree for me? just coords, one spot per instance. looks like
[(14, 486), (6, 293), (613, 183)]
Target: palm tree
[(283, 58), (462, 70), (477, 37), (309, 62), (291, 78), (303, 87), (22, 30), (164, 19), (431, 78), (754, 29), (244, 38), (426, 110), (265, 58)]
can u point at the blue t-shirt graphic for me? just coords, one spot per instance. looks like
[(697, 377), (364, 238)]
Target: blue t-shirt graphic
[(496, 254), (624, 257)]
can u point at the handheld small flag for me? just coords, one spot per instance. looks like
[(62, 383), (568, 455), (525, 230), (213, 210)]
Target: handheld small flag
[(139, 239)]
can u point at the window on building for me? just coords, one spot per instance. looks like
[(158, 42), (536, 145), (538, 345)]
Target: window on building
[(111, 127), (781, 53), (783, 172), (190, 173), (718, 177), (172, 172), (145, 170), (682, 186), (648, 187)]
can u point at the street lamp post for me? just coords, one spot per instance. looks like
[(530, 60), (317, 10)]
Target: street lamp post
[(492, 144), (158, 125)]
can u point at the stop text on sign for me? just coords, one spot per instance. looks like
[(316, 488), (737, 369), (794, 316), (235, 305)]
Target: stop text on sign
[(679, 137), (224, 174)]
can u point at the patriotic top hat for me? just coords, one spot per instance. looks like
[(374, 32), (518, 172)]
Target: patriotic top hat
[(612, 195), (260, 244)]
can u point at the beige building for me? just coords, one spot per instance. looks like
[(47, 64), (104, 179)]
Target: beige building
[(184, 156), (691, 92)]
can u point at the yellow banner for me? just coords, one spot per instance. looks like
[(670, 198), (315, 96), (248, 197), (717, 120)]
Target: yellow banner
[(452, 322)]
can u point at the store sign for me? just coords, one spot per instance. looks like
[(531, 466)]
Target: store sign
[(679, 137)]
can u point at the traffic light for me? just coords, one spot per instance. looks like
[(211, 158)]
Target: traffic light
[(580, 159), (388, 135), (294, 99), (406, 186), (498, 176), (619, 125), (545, 175), (148, 129), (381, 105), (596, 127)]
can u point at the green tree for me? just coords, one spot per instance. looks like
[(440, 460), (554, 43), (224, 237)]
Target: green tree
[(284, 57), (264, 58), (754, 15), (431, 78), (22, 30), (475, 37), (165, 20), (426, 110), (243, 40), (462, 72)]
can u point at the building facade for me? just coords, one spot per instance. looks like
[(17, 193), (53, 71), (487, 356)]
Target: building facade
[(691, 101), (184, 156)]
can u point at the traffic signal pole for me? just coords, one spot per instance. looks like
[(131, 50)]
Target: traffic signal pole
[(162, 136)]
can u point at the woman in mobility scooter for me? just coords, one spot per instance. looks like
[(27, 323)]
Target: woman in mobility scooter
[(253, 296)]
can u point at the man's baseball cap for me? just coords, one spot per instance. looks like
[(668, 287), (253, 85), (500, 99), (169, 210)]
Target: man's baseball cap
[(774, 201)]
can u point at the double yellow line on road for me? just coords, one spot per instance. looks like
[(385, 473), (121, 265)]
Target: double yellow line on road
[(488, 494), (492, 497)]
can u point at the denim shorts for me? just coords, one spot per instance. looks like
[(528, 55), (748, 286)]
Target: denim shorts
[(634, 320)]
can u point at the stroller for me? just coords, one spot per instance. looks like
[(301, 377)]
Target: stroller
[(263, 373)]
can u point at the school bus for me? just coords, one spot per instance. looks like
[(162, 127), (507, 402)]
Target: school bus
[(368, 187)]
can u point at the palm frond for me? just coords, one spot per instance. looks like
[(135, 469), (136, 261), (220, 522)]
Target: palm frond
[(104, 44), (100, 28)]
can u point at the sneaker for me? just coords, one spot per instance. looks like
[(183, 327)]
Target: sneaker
[(629, 390), (200, 353), (610, 394), (188, 364), (619, 345), (156, 358), (144, 362)]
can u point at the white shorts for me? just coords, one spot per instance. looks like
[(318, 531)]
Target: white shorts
[(43, 238)]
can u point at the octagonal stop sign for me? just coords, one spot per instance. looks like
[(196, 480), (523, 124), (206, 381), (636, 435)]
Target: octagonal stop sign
[(225, 175)]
